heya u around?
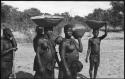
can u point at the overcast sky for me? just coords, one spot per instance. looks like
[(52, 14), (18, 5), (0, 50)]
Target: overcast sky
[(81, 8)]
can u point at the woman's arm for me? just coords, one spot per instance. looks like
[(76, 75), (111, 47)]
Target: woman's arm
[(38, 56), (78, 45), (88, 51), (57, 59), (103, 36), (7, 51), (35, 44), (13, 41)]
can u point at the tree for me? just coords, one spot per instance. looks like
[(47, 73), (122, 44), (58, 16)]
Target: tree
[(47, 14), (67, 16), (79, 18), (98, 14), (118, 13), (118, 6), (57, 14), (118, 10), (5, 10), (32, 12), (114, 16)]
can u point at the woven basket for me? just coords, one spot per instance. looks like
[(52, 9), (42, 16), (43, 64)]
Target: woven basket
[(79, 31), (47, 20), (95, 24)]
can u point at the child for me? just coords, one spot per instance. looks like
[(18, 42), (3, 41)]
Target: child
[(94, 51)]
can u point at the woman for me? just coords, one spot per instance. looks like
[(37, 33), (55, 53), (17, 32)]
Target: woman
[(8, 45), (45, 54), (69, 53)]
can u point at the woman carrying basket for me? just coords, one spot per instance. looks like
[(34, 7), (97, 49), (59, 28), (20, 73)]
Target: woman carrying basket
[(69, 52), (44, 47)]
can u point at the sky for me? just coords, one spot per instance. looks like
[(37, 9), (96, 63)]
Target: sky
[(81, 8)]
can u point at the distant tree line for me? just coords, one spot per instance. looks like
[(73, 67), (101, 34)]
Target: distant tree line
[(114, 16), (20, 21)]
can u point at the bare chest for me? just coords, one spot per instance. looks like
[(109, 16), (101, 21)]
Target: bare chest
[(95, 42), (5, 44), (70, 47)]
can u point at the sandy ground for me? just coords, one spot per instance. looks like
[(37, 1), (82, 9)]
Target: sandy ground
[(111, 64)]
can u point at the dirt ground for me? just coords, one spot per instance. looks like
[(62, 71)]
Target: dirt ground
[(111, 63)]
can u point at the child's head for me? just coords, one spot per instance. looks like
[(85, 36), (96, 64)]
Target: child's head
[(58, 40), (68, 30), (95, 32), (76, 66)]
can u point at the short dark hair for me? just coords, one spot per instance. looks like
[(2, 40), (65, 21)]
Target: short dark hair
[(66, 27), (7, 32), (48, 28)]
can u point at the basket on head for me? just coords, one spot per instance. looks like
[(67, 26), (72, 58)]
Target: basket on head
[(95, 24), (79, 30), (47, 20)]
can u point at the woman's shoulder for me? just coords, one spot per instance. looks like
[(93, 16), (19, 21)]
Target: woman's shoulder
[(73, 40)]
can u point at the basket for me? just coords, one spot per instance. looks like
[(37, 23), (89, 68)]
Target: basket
[(95, 24), (79, 31), (47, 20)]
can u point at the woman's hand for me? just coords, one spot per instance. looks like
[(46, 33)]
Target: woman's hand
[(69, 74), (42, 70), (80, 48), (15, 49), (86, 60)]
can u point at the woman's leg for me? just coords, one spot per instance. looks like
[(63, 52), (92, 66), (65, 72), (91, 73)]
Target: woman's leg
[(74, 75), (91, 66), (96, 68), (60, 75), (6, 70), (38, 75), (49, 74)]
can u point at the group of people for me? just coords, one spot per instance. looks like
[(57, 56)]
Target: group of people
[(46, 53)]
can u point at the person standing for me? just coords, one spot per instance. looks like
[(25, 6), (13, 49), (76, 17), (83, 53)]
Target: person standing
[(8, 46), (69, 52), (93, 51), (44, 47)]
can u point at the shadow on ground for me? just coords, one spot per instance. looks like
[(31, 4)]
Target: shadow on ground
[(81, 76), (22, 74)]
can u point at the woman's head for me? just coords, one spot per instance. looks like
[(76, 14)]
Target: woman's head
[(7, 33), (68, 30), (95, 32), (48, 30), (39, 30)]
